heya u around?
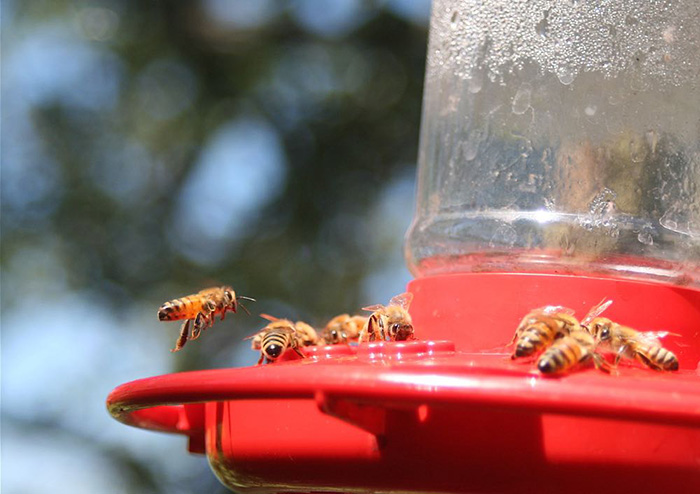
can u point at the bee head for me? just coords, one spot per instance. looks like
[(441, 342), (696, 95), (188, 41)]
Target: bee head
[(401, 331), (334, 336), (229, 296), (600, 328)]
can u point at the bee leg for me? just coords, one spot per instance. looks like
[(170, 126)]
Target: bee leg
[(383, 334), (364, 333), (197, 327), (618, 355), (207, 321), (184, 336), (262, 357), (372, 327), (601, 364), (299, 352), (361, 336), (207, 313)]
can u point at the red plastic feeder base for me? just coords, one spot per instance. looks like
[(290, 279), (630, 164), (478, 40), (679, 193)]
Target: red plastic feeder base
[(451, 412)]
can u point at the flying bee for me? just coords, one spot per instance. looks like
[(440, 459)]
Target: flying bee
[(199, 310), (541, 327), (391, 322), (643, 346), (569, 351), (279, 335), (343, 329)]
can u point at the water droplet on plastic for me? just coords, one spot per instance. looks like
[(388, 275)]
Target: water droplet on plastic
[(476, 82), (603, 204), (504, 236), (590, 110), (678, 219), (645, 238), (566, 75), (470, 147), (521, 100), (454, 20), (542, 27)]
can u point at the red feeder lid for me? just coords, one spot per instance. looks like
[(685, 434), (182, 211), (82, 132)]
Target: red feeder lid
[(451, 412)]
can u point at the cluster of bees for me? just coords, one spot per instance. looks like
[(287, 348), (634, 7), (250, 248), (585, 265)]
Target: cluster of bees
[(561, 342), (552, 334), (386, 323)]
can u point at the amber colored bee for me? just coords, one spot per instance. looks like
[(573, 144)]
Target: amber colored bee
[(541, 327), (199, 310), (569, 351), (279, 335), (343, 329), (643, 346), (391, 322)]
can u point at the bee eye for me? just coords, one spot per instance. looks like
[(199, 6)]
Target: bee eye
[(605, 334), (395, 328)]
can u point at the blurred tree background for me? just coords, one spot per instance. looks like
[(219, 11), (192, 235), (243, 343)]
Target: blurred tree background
[(153, 148)]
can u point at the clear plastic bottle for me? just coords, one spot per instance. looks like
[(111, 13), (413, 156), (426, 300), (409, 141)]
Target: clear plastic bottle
[(561, 137)]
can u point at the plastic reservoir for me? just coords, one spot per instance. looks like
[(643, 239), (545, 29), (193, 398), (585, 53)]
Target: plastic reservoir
[(561, 137)]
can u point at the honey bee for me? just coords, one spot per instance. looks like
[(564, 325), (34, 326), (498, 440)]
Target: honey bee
[(643, 346), (279, 335), (391, 322), (199, 310), (343, 329), (569, 351), (541, 327)]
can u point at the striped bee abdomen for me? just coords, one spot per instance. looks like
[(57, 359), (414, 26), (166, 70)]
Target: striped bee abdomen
[(274, 343), (181, 308), (533, 338), (560, 357), (657, 357)]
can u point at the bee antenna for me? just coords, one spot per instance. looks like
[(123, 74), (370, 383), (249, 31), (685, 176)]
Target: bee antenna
[(242, 297), (244, 308)]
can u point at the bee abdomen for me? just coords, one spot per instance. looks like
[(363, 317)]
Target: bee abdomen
[(557, 359), (275, 343), (167, 312), (181, 308), (659, 358), (532, 339)]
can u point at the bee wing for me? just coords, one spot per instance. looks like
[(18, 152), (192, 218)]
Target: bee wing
[(373, 308), (403, 300), (595, 311), (250, 337), (652, 336), (269, 317), (554, 309)]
